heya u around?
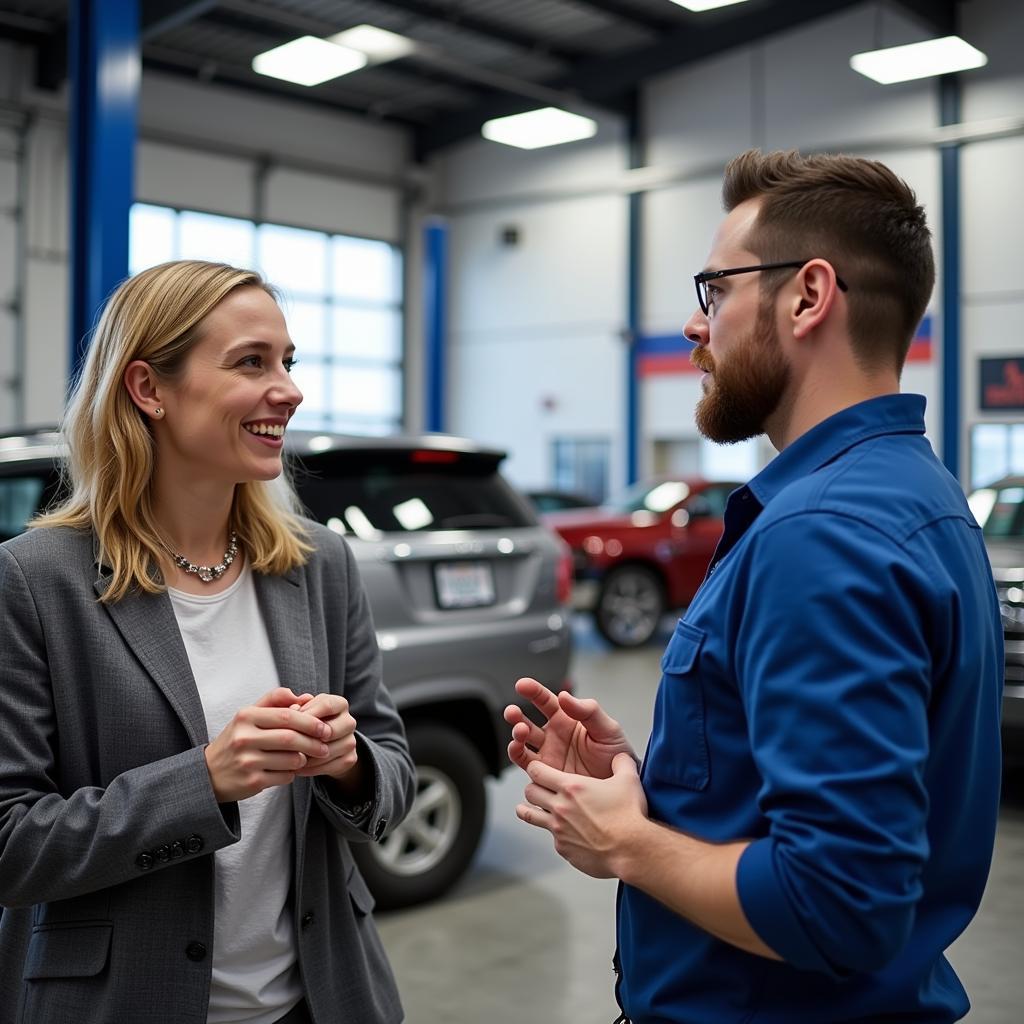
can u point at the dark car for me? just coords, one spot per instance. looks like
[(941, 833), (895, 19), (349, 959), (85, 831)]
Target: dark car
[(999, 508), (639, 557), (468, 592)]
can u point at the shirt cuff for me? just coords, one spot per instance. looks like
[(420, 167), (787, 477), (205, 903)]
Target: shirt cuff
[(769, 912)]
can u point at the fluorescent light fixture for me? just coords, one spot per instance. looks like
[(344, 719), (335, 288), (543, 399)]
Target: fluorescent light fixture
[(378, 44), (918, 60), (308, 61), (697, 6), (533, 129)]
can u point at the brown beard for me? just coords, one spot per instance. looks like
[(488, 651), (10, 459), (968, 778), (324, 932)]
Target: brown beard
[(745, 387)]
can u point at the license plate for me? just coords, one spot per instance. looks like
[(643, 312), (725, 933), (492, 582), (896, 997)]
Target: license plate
[(464, 584)]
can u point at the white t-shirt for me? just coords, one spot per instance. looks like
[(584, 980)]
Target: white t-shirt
[(255, 968)]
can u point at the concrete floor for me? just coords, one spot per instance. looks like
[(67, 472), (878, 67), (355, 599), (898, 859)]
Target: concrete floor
[(524, 937)]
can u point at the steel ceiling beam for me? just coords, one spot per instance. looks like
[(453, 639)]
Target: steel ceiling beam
[(605, 81), (624, 11), (938, 15)]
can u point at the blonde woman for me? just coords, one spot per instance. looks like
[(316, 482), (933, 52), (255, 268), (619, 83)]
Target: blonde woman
[(194, 725)]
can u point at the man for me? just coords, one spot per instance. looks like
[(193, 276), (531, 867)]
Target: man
[(813, 822)]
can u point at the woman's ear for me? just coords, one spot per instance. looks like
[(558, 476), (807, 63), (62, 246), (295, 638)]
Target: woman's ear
[(143, 388)]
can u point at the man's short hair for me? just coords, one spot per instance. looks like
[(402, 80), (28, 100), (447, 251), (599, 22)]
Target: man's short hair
[(858, 215)]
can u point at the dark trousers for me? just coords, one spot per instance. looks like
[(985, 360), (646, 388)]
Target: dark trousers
[(298, 1014)]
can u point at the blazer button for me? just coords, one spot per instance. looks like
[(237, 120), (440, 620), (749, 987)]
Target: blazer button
[(177, 850), (307, 918), (195, 951), (378, 830), (194, 843), (144, 861), (162, 853)]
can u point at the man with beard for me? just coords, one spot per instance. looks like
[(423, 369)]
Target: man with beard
[(813, 821)]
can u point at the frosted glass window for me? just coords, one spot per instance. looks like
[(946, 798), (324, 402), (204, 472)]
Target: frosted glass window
[(341, 299), (308, 327), (365, 391), (367, 334), (151, 233), (203, 236), (293, 259), (364, 269)]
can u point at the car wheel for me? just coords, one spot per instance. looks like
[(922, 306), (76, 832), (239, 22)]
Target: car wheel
[(431, 849), (630, 605)]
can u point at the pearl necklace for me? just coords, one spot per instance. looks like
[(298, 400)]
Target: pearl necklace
[(209, 573)]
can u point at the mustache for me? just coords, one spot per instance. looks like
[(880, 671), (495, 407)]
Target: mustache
[(701, 358)]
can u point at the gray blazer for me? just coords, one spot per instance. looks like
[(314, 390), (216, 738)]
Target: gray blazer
[(107, 817)]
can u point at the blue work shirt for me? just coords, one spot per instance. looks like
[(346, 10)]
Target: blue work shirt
[(832, 694)]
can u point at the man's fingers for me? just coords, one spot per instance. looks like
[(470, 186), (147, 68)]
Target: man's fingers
[(533, 816), (538, 695), (520, 755), (599, 723)]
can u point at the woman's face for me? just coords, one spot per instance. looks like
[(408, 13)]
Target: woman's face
[(224, 420)]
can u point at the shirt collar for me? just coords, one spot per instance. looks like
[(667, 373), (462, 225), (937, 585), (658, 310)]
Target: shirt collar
[(887, 414)]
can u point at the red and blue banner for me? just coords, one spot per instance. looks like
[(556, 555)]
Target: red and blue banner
[(659, 354)]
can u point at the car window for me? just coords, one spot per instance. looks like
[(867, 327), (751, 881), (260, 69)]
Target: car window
[(19, 500), (393, 493), (1006, 516)]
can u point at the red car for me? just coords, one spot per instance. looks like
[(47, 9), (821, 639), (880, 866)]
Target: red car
[(637, 558)]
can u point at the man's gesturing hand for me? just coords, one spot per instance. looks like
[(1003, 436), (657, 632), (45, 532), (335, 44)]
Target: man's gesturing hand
[(578, 736), (264, 745)]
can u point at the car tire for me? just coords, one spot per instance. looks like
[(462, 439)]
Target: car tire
[(630, 605), (433, 847)]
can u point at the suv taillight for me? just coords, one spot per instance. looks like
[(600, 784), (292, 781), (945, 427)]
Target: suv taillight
[(563, 576)]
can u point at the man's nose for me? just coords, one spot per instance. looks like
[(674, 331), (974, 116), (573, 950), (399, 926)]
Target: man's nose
[(696, 328)]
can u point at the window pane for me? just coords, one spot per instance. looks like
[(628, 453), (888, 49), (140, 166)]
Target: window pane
[(365, 391), (988, 453), (367, 334), (294, 259), (307, 325), (220, 239), (365, 270), (151, 236)]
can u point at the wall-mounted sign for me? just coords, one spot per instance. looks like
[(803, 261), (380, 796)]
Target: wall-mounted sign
[(1001, 384)]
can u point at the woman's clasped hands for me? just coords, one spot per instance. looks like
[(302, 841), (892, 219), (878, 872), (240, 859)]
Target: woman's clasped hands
[(281, 736)]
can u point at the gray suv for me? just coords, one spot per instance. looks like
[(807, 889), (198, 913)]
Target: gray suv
[(999, 508), (468, 593)]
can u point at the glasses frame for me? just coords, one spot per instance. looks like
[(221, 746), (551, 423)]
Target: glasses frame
[(701, 280)]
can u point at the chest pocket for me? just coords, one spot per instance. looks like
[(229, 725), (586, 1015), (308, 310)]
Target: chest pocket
[(679, 747)]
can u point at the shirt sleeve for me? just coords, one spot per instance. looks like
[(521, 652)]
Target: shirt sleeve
[(834, 669)]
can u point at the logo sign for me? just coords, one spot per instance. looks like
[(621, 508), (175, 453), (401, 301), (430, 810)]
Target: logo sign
[(1001, 383)]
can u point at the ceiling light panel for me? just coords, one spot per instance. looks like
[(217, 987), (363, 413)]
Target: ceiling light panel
[(535, 129), (918, 60), (699, 6), (377, 43), (308, 61)]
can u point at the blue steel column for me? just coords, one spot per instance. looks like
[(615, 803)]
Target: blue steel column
[(633, 284), (435, 288), (949, 103), (104, 68)]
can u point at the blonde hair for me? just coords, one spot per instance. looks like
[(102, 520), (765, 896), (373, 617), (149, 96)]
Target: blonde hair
[(156, 316)]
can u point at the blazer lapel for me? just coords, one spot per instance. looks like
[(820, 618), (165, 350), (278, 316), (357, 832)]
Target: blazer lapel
[(285, 607), (149, 628)]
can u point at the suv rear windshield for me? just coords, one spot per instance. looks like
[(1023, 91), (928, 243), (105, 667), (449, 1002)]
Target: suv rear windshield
[(364, 494), (1000, 511)]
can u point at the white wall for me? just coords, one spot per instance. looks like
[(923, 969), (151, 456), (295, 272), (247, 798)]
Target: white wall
[(791, 90), (992, 253), (202, 147), (535, 330)]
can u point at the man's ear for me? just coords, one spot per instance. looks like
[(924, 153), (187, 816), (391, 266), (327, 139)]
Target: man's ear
[(815, 297), (143, 387)]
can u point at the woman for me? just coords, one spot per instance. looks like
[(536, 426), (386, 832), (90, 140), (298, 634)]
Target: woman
[(194, 726)]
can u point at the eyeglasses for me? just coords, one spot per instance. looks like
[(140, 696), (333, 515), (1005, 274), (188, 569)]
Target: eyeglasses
[(701, 279)]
